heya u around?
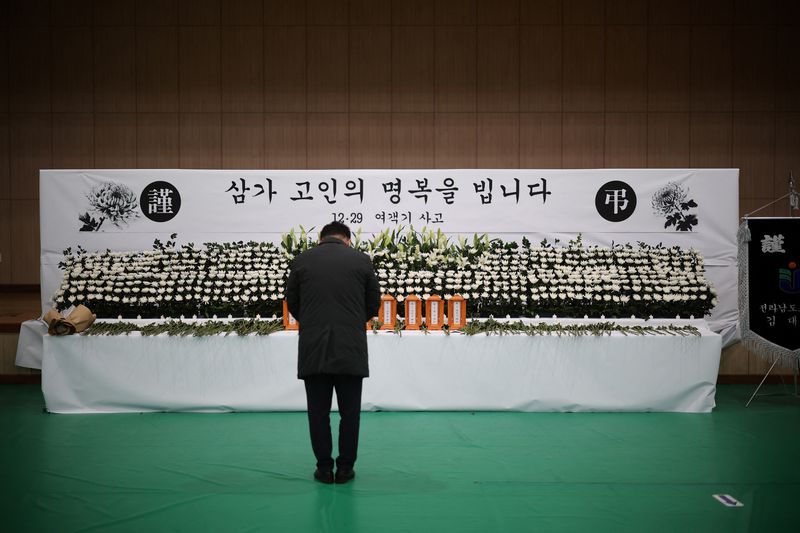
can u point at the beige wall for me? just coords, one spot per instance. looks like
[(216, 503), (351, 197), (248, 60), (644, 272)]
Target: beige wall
[(380, 83)]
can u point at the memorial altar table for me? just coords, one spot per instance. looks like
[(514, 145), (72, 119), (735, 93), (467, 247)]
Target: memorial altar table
[(414, 371)]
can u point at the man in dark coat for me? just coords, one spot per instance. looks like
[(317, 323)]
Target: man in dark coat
[(332, 291)]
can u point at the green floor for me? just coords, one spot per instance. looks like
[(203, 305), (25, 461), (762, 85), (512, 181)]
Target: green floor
[(417, 472)]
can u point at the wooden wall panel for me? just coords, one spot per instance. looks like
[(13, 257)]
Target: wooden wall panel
[(712, 12), (327, 68), (157, 69), (712, 68), (72, 69), (413, 140), (5, 176), (787, 154), (498, 69), (668, 140), (414, 12), (327, 12), (4, 72), (626, 68), (540, 68), (540, 140), (748, 206), (583, 140), (368, 12), (370, 140), (284, 69), (71, 12), (498, 140), (754, 81), (29, 68), (584, 12), (755, 11), (114, 69), (327, 140), (158, 140), (668, 68), (28, 13), (115, 140), (626, 12), (73, 140), (626, 140), (787, 76), (753, 153), (758, 365), (734, 360), (584, 68), (6, 250), (30, 149), (455, 68), (455, 140), (199, 72), (670, 11), (200, 140), (285, 140), (787, 12), (242, 12), (284, 12), (25, 233), (199, 12), (242, 140), (370, 83), (540, 11), (156, 12), (114, 13), (456, 12), (242, 69), (711, 140), (498, 12), (413, 71)]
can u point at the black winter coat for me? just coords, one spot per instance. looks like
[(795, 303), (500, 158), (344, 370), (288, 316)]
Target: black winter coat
[(332, 291)]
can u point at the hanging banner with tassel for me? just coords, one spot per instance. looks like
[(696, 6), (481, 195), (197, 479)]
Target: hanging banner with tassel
[(769, 286)]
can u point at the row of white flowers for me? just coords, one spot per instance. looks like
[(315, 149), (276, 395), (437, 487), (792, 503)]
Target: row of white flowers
[(247, 279)]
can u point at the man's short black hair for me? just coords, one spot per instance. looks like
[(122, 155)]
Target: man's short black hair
[(335, 228)]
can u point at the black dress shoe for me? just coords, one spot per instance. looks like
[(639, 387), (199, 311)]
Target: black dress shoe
[(324, 476), (343, 475)]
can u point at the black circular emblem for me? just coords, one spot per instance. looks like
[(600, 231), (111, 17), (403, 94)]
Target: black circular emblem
[(160, 201), (615, 201)]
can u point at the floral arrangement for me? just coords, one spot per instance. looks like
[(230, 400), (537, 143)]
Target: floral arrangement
[(244, 327), (506, 278), (240, 279), (497, 278)]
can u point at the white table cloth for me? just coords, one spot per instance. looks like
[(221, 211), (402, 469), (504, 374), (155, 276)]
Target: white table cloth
[(82, 374), (29, 345)]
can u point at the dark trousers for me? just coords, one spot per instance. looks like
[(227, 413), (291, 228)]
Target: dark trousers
[(319, 395)]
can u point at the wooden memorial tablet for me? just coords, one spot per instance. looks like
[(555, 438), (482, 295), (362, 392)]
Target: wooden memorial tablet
[(388, 312), (456, 312), (434, 312), (413, 312)]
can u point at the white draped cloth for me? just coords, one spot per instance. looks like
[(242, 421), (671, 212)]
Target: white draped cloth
[(413, 371)]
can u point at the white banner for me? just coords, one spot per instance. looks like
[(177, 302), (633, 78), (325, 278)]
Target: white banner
[(128, 209)]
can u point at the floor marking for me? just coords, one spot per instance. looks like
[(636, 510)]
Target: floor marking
[(727, 500)]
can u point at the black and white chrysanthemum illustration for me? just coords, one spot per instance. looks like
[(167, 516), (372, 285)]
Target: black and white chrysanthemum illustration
[(670, 201), (110, 201)]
